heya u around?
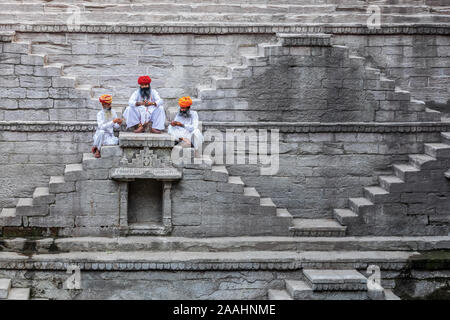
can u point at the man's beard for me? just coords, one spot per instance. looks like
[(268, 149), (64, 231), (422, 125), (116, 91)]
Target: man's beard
[(185, 114), (108, 114), (145, 93)]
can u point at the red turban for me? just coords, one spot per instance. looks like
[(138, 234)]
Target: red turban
[(185, 102), (106, 98), (144, 80)]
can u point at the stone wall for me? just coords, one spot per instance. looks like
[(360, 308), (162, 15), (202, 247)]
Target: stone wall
[(300, 83), (419, 63), (320, 171), (29, 159), (111, 63)]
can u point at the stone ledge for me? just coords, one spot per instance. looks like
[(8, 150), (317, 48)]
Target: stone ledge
[(176, 260), (228, 28), (284, 127), (130, 139), (302, 39)]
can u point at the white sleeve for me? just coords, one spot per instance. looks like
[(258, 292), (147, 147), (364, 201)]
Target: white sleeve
[(133, 99), (116, 125), (159, 102), (194, 125), (102, 124)]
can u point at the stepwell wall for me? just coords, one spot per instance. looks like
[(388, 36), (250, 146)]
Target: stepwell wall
[(318, 171)]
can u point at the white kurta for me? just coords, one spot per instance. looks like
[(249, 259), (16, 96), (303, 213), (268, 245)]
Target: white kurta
[(105, 130), (141, 114), (189, 131)]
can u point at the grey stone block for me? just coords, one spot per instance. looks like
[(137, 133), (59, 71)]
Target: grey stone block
[(5, 287), (58, 184)]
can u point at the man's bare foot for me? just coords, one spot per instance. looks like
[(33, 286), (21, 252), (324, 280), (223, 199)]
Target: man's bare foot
[(140, 129), (185, 143), (94, 149), (97, 154), (153, 130)]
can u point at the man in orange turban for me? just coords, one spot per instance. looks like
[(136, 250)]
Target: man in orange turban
[(145, 106), (184, 127), (107, 120)]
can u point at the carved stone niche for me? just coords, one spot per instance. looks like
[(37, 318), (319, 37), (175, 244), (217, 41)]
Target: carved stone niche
[(146, 174)]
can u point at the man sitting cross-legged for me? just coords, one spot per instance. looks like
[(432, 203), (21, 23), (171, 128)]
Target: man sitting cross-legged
[(107, 120), (184, 127), (145, 106)]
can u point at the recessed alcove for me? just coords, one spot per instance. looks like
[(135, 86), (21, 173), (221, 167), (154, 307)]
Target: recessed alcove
[(145, 201)]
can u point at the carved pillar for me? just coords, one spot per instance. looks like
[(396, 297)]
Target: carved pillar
[(167, 205), (123, 209)]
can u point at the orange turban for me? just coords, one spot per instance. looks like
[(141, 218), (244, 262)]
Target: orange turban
[(144, 80), (106, 98), (185, 102)]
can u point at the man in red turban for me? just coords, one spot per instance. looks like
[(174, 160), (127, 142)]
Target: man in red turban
[(107, 120), (144, 107), (185, 126)]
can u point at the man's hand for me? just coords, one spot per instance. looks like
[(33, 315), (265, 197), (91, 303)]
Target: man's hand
[(147, 103), (139, 103), (118, 120), (176, 123)]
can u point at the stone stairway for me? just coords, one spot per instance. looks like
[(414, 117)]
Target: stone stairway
[(48, 203), (222, 101), (53, 205), (399, 195), (330, 284), (63, 97), (9, 293)]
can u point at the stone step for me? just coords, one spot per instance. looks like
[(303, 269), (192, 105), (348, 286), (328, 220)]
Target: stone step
[(278, 295), (5, 286), (416, 105), (251, 192), (58, 184), (317, 17), (406, 172), (432, 115), (372, 73), (91, 163), (9, 218), (25, 207), (377, 194), (19, 294), (360, 205), (234, 184), (74, 172), (317, 228), (389, 295), (299, 290), (211, 7), (217, 173), (421, 161), (42, 196), (391, 183), (283, 213), (445, 137), (267, 207), (345, 216), (335, 280), (437, 150), (212, 244)]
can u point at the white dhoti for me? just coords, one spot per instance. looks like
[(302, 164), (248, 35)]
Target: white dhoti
[(104, 138), (141, 114), (105, 130)]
